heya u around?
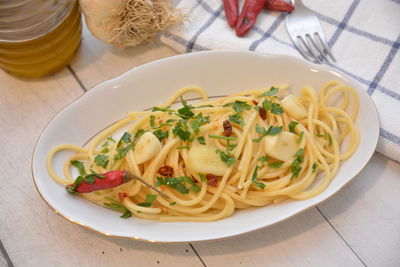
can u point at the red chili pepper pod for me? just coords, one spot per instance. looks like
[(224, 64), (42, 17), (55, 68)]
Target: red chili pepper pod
[(278, 5), (231, 11), (111, 179), (248, 16)]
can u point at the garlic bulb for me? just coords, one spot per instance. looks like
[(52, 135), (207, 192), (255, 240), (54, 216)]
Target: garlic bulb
[(125, 23)]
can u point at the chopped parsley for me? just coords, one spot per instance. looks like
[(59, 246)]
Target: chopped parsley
[(272, 130), (254, 178), (275, 165), (72, 188), (79, 165), (292, 126), (275, 108), (172, 203), (199, 121), (238, 106), (182, 130), (166, 109), (152, 121), (121, 152), (160, 134), (178, 183), (105, 150), (236, 118), (300, 137), (149, 200), (263, 159), (126, 138), (226, 158), (115, 205), (271, 92), (314, 167), (296, 168), (201, 140), (222, 137), (186, 111), (202, 177), (101, 160), (111, 139)]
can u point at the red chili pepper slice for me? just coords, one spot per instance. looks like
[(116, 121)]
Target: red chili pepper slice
[(248, 16), (278, 5), (111, 179), (231, 11)]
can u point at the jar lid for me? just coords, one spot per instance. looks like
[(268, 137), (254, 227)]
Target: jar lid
[(24, 20)]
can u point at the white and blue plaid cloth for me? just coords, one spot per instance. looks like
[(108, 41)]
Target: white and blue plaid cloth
[(364, 36)]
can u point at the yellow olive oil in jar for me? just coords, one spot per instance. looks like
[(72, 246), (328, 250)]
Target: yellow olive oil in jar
[(38, 37)]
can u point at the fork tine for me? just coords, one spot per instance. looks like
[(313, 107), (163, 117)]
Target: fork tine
[(312, 43), (316, 59), (301, 50), (325, 46)]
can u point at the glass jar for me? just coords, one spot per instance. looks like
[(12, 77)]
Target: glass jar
[(38, 37)]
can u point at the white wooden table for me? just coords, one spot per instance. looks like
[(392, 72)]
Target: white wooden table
[(358, 226)]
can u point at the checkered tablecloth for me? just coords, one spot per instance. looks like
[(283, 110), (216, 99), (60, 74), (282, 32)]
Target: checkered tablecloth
[(364, 36)]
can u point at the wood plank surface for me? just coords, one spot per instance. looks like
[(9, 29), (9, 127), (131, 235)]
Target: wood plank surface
[(305, 240), (366, 213)]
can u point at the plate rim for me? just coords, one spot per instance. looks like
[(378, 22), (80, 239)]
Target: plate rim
[(126, 73)]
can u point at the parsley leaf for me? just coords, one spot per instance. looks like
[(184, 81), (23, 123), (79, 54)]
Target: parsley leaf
[(152, 121), (263, 159), (186, 111), (139, 133), (126, 138), (226, 158), (272, 91), (160, 134), (296, 168), (121, 152), (201, 140), (300, 137), (238, 106), (101, 160), (177, 183), (115, 205), (267, 105), (111, 139), (292, 126), (172, 203), (202, 177), (222, 137), (314, 167), (183, 147), (236, 118), (79, 165), (276, 109), (262, 131), (149, 200), (166, 109), (182, 130), (199, 121), (105, 150), (274, 130), (254, 178), (72, 188), (275, 165)]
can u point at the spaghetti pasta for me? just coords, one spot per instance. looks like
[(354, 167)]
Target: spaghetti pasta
[(250, 149)]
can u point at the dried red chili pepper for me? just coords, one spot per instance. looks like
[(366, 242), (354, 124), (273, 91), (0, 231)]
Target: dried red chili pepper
[(110, 179), (263, 113), (255, 102), (278, 5), (231, 11), (212, 180), (248, 16), (227, 128), (166, 170)]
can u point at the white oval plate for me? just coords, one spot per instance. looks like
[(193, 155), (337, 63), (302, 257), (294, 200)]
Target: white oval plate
[(219, 73)]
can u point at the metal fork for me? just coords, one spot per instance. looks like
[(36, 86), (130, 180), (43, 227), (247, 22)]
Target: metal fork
[(307, 35)]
